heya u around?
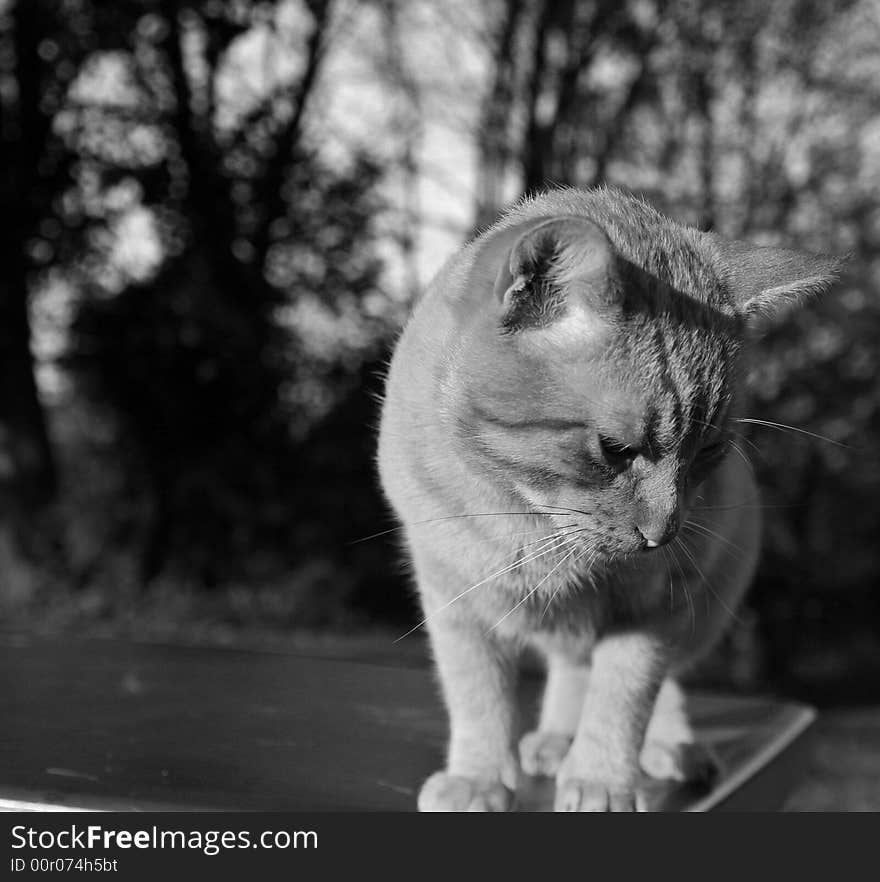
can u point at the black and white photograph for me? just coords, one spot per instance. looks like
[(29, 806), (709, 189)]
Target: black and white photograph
[(435, 406)]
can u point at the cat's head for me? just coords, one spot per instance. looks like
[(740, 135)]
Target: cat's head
[(600, 373)]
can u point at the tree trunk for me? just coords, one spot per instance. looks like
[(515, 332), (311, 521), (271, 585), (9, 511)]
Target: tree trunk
[(536, 148), (27, 474), (494, 135)]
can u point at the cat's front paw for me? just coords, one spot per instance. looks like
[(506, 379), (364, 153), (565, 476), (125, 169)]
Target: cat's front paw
[(443, 792), (690, 762), (596, 778), (580, 795), (542, 753)]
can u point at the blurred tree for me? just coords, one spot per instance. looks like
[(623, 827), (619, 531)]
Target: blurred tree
[(30, 165), (33, 167), (211, 354), (543, 58), (494, 134), (198, 195)]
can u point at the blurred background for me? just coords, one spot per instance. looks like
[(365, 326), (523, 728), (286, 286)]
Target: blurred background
[(216, 215)]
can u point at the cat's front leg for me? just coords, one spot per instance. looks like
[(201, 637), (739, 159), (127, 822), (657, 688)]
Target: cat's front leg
[(671, 749), (542, 751), (478, 676), (601, 769)]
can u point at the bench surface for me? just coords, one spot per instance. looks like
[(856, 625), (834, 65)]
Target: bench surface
[(95, 724)]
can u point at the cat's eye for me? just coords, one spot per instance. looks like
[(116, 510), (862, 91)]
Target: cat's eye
[(617, 454)]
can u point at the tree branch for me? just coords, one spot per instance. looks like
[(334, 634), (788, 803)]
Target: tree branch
[(269, 190)]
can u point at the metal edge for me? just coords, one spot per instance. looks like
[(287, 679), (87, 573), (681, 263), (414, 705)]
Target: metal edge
[(805, 717)]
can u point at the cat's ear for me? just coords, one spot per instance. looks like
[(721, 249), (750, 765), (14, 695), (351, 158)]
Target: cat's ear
[(765, 281), (555, 265)]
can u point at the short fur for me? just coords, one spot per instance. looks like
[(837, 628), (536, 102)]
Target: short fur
[(557, 409)]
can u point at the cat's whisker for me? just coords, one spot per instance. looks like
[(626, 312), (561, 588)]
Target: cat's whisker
[(707, 531), (783, 427), (567, 556), (741, 436), (734, 446), (692, 558), (484, 514), (594, 554), (566, 510), (743, 505), (561, 585), (669, 577), (549, 603), (506, 536), (570, 530), (735, 553), (591, 575), (687, 594), (554, 544), (728, 431)]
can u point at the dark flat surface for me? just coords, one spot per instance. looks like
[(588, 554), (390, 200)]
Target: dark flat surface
[(112, 725)]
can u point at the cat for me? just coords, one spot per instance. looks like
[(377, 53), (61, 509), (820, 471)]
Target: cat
[(556, 440)]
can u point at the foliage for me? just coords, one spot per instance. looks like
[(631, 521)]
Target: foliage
[(219, 212)]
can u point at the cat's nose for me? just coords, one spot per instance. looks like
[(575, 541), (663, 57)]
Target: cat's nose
[(661, 533), (659, 521)]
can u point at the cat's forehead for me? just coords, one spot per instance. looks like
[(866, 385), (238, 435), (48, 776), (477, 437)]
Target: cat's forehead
[(658, 386), (621, 411)]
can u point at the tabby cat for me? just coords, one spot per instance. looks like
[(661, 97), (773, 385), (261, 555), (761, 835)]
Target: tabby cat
[(557, 441)]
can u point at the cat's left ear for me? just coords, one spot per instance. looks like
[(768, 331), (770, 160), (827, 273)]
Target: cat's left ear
[(554, 267), (767, 281)]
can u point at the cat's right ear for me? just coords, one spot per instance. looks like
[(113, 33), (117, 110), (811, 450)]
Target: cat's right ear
[(765, 281), (556, 267)]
